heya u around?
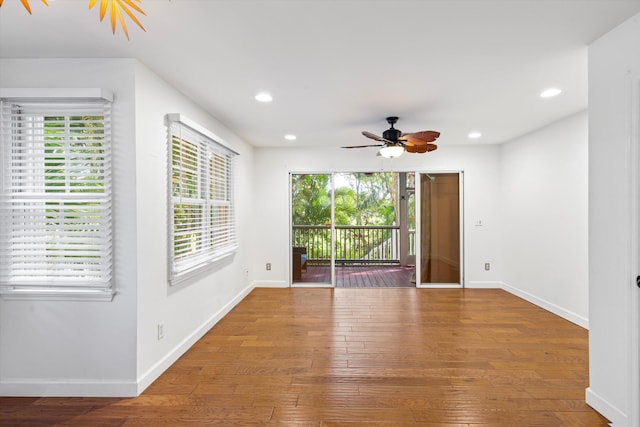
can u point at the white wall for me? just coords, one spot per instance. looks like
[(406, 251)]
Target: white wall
[(614, 70), (544, 185), (481, 166), (189, 309), (84, 348), (79, 347), (111, 348)]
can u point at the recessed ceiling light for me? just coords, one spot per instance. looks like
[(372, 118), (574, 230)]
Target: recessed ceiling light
[(264, 97), (474, 135), (550, 93), (290, 137)]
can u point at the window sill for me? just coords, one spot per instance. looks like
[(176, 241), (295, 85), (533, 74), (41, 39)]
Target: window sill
[(19, 293), (203, 267)]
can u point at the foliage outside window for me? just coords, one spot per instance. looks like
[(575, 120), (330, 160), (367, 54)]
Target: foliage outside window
[(56, 235), (202, 225), (361, 200)]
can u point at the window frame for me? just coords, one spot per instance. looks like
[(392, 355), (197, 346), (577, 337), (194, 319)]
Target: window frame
[(198, 188), (83, 228)]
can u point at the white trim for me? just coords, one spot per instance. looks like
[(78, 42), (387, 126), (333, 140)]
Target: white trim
[(22, 293), (483, 284), (332, 229), (547, 305), (172, 356), (57, 93), (332, 279), (312, 285), (418, 213), (634, 251), (271, 284), (200, 269), (177, 117), (610, 412), (417, 239), (439, 286), (68, 388), (99, 388), (461, 219)]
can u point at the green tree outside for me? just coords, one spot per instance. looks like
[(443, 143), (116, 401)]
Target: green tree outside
[(361, 199)]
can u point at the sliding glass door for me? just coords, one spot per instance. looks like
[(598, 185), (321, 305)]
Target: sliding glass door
[(353, 229), (311, 229)]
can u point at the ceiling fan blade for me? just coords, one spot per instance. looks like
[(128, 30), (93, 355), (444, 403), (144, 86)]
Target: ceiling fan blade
[(420, 138), (375, 137), (364, 146), (422, 148)]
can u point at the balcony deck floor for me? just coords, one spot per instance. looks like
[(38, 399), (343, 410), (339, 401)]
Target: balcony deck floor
[(362, 276)]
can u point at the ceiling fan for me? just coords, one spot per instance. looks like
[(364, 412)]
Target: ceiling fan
[(394, 142)]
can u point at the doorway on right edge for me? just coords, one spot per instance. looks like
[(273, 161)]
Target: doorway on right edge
[(439, 229)]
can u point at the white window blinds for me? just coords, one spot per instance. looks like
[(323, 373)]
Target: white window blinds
[(202, 225), (55, 202)]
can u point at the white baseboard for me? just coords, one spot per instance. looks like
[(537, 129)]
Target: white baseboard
[(549, 306), (101, 388), (66, 388), (483, 284), (271, 284), (439, 286), (610, 412), (156, 370)]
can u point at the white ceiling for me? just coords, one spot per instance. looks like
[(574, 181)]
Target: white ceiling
[(337, 67)]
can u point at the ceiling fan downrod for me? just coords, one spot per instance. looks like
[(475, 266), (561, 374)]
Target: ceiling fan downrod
[(392, 134)]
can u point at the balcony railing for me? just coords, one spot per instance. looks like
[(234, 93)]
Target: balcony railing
[(365, 244)]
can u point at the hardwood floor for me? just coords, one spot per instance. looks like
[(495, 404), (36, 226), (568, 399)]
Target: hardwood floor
[(329, 357), (362, 276)]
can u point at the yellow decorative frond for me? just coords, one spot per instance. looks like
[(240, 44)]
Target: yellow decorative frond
[(115, 8), (112, 14), (132, 16), (25, 3), (27, 6), (122, 23), (133, 6)]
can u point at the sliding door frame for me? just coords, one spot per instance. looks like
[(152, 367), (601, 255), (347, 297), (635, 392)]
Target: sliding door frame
[(293, 284), (418, 243), (418, 231)]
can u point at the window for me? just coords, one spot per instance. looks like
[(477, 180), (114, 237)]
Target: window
[(202, 226), (56, 235)]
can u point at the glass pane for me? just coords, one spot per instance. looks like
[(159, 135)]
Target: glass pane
[(365, 212), (184, 158), (188, 229), (440, 228), (371, 233), (311, 228)]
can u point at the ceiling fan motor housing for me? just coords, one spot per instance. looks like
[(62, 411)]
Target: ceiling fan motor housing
[(392, 134)]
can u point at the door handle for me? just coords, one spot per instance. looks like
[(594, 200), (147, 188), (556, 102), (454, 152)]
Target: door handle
[(638, 281)]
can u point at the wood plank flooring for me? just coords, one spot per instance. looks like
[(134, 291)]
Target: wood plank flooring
[(362, 276), (333, 357)]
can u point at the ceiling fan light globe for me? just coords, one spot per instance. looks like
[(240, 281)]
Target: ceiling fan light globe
[(391, 151)]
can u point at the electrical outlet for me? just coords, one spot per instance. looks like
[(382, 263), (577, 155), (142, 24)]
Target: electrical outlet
[(160, 331), (268, 266), (487, 266)]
